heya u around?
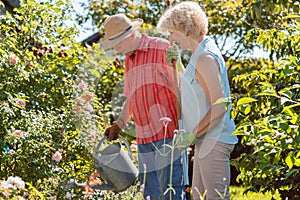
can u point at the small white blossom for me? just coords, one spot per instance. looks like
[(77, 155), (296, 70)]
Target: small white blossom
[(15, 183), (165, 119)]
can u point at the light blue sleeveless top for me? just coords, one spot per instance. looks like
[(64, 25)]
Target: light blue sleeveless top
[(193, 99)]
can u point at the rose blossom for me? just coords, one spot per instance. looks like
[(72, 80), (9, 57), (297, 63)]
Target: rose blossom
[(21, 103), (82, 85), (12, 59), (16, 181), (63, 133), (89, 107), (18, 133), (57, 156), (77, 109)]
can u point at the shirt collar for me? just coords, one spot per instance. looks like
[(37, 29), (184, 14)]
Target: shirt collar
[(144, 44)]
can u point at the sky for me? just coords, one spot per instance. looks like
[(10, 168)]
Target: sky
[(87, 29)]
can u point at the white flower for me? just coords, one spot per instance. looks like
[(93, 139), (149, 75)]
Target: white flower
[(142, 188), (53, 198), (68, 195), (11, 151), (165, 119), (4, 185), (17, 182)]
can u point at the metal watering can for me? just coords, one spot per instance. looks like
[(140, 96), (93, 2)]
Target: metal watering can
[(115, 165)]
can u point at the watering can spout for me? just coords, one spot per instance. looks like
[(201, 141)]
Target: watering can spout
[(104, 187), (74, 184)]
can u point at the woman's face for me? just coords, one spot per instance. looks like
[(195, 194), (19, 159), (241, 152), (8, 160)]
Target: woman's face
[(179, 38)]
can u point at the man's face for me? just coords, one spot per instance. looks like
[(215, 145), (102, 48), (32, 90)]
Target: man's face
[(126, 46)]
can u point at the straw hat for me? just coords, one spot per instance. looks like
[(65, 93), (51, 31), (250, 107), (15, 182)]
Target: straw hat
[(118, 27)]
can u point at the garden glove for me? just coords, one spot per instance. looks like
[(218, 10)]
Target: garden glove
[(113, 132), (183, 140), (173, 53)]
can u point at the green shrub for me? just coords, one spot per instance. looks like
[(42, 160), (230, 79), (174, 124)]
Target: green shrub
[(266, 108), (43, 140)]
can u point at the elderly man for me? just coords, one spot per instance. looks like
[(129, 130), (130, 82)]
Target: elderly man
[(149, 88)]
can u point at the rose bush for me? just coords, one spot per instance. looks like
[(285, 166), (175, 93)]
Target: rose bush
[(44, 139)]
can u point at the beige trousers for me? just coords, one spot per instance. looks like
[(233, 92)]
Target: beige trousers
[(211, 170)]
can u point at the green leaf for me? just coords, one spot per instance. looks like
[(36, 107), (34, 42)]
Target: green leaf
[(292, 16), (289, 161), (266, 94), (297, 162), (277, 157), (247, 110), (288, 108), (245, 100), (290, 173)]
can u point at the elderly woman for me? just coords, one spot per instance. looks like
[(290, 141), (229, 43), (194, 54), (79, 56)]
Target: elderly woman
[(205, 100)]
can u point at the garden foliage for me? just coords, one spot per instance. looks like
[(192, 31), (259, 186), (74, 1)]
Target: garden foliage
[(50, 115), (266, 97), (56, 97)]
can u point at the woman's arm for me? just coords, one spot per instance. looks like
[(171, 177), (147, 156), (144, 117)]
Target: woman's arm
[(208, 76)]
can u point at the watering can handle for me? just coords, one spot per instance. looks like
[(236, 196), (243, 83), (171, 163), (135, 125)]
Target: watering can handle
[(123, 140)]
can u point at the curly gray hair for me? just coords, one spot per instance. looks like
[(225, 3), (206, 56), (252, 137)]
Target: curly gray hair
[(186, 17)]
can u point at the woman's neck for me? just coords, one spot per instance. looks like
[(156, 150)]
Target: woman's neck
[(195, 42)]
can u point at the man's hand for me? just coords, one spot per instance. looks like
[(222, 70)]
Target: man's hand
[(113, 132), (173, 53), (183, 140)]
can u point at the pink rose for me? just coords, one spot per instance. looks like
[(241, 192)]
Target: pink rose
[(21, 103), (89, 107), (12, 59), (82, 85), (19, 133), (57, 156), (63, 133)]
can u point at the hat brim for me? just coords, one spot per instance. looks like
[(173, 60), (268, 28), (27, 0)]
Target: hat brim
[(110, 43)]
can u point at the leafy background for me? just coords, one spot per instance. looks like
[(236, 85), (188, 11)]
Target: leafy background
[(70, 93)]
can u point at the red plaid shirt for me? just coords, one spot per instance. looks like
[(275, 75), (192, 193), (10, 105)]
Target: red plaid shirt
[(150, 89)]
